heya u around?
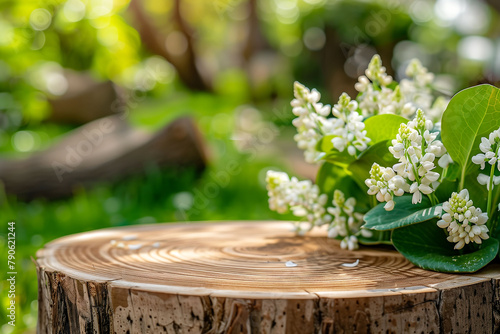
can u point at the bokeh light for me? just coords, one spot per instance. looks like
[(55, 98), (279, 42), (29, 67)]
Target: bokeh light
[(422, 11), (40, 19), (474, 19), (25, 141), (100, 8), (49, 77), (74, 10), (314, 38), (183, 200), (107, 36), (161, 70), (176, 43), (7, 33), (449, 10), (476, 48)]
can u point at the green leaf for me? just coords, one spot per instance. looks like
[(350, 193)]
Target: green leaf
[(425, 245), (328, 176), (449, 183), (325, 144), (331, 177), (331, 154), (379, 153), (339, 158), (392, 85), (404, 213), (445, 189), (478, 193), (471, 114), (453, 172), (383, 127)]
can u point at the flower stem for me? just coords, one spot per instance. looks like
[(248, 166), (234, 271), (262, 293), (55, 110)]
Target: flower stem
[(347, 229), (490, 192), (462, 179), (443, 174), (495, 200), (415, 170), (434, 200)]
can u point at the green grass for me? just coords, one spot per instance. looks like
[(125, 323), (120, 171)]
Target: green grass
[(220, 193)]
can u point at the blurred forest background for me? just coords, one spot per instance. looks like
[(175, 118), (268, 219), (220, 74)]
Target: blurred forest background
[(227, 64)]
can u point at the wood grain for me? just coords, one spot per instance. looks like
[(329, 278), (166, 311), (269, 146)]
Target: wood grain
[(232, 278)]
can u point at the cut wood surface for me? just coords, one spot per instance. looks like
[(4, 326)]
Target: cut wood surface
[(232, 277)]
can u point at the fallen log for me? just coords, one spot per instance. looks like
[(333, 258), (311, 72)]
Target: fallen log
[(107, 149), (85, 100), (249, 277)]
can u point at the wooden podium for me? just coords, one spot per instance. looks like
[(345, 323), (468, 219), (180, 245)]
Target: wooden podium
[(232, 277)]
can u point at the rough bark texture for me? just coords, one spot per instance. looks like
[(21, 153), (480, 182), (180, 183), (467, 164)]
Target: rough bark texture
[(88, 286), (106, 149)]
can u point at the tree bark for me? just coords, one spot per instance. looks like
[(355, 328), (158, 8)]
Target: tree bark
[(233, 278), (185, 64)]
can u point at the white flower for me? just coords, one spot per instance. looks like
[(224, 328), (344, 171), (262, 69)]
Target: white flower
[(417, 91), (382, 101), (376, 72), (389, 206), (464, 222), (385, 184), (346, 222), (490, 151), (417, 148), (350, 243), (485, 180), (436, 110), (311, 121), (302, 198), (348, 128), (445, 161), (363, 84), (378, 95), (479, 159)]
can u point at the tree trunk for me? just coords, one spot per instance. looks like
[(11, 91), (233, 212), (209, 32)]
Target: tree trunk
[(233, 278), (186, 63)]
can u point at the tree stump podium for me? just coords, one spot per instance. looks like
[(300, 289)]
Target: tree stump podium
[(233, 277)]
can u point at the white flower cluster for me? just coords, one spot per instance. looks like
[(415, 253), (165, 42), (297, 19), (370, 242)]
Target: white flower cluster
[(416, 88), (464, 222), (348, 127), (385, 184), (302, 198), (311, 121), (376, 95), (346, 223), (416, 148), (490, 148), (379, 95)]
